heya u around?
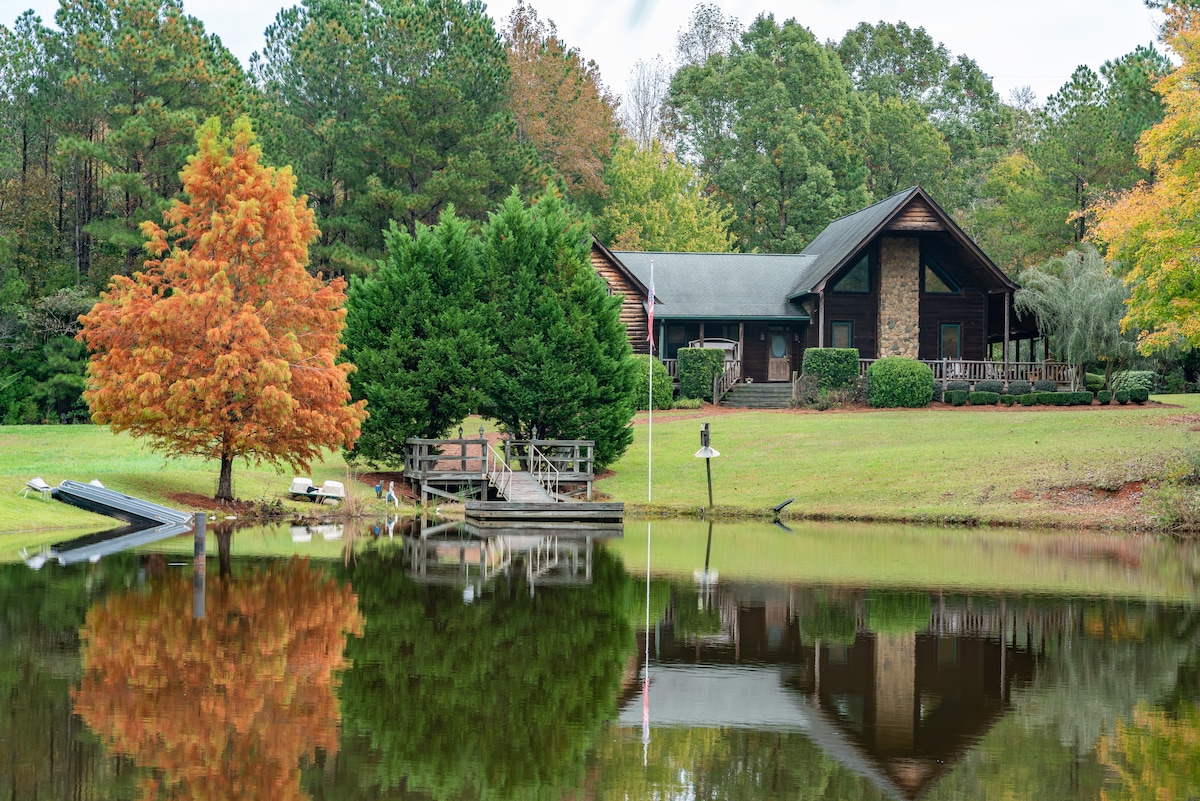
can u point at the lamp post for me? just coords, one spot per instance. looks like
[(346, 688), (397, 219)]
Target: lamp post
[(708, 453)]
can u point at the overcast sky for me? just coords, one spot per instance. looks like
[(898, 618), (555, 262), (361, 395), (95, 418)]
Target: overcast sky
[(1036, 43)]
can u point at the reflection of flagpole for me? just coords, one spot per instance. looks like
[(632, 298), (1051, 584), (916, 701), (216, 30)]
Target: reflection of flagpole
[(646, 671)]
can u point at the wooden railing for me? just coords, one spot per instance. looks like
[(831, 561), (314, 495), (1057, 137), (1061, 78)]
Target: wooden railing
[(426, 457), (498, 472), (573, 458), (544, 471), (672, 366), (973, 370), (724, 381)]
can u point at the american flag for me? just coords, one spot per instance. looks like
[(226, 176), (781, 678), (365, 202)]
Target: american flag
[(650, 311)]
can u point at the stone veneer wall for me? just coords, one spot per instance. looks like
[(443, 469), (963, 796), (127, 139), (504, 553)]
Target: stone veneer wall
[(899, 297)]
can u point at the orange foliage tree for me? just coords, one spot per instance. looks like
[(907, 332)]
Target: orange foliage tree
[(226, 706), (225, 346), (1156, 755)]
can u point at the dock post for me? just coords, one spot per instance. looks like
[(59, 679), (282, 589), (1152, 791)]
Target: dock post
[(199, 566)]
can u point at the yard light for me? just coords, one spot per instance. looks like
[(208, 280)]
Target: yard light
[(481, 431), (708, 453), (460, 432)]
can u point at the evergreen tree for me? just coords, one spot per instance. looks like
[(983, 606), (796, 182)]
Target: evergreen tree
[(415, 330), (563, 362)]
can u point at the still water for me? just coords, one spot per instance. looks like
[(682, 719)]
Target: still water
[(822, 662)]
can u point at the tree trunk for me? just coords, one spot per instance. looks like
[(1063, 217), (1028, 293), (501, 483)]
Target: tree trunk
[(225, 482)]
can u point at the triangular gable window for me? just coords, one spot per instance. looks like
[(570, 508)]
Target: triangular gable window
[(936, 280), (857, 280)]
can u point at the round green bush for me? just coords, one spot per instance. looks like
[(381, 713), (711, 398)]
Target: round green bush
[(833, 368), (1008, 400), (958, 386), (899, 382), (1045, 385), (1139, 394), (663, 394), (985, 398), (1133, 379), (1122, 396), (1080, 398), (989, 385), (956, 397), (1093, 382), (1019, 388), (1104, 396)]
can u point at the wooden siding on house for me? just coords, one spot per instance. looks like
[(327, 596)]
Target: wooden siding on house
[(917, 216), (756, 350), (966, 309), (633, 309)]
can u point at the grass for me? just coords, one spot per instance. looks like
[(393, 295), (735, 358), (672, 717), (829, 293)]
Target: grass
[(82, 453), (992, 465)]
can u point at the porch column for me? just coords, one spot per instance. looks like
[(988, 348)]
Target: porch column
[(741, 349), (821, 319), (1007, 304)]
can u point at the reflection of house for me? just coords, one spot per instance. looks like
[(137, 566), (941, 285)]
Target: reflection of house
[(898, 278), (897, 709)]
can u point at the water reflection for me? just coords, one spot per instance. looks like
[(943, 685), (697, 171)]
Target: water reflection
[(776, 687)]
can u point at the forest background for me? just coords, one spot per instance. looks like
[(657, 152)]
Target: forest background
[(753, 137)]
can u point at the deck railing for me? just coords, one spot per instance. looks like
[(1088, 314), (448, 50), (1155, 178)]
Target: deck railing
[(544, 471), (672, 366), (976, 370), (498, 472)]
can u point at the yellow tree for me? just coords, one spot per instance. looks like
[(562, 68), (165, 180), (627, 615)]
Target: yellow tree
[(225, 346), (1151, 229)]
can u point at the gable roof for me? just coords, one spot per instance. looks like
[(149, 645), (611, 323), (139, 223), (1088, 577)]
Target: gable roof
[(844, 238), (716, 286)]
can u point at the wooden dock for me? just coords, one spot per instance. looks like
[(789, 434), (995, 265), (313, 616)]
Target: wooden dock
[(524, 484)]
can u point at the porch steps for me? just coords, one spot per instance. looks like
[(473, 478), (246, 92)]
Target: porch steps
[(759, 396)]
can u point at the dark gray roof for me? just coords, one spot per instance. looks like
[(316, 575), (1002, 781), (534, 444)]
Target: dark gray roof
[(715, 286), (842, 237)]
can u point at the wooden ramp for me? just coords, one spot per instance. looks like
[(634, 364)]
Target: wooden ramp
[(522, 487)]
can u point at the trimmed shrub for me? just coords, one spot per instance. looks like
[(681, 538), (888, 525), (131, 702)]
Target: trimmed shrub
[(958, 386), (989, 385), (697, 369), (957, 397), (1132, 379), (663, 393), (687, 403), (1093, 382), (1045, 385), (937, 392), (1019, 388), (899, 382), (1104, 396), (1052, 398), (833, 368), (1122, 396), (1029, 399), (1008, 400), (1080, 398), (985, 398), (1139, 395)]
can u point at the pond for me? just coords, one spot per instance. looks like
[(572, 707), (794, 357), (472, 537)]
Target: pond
[(403, 660)]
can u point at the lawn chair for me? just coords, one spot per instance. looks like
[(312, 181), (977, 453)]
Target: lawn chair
[(36, 484)]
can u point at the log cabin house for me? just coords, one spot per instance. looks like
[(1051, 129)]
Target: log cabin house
[(898, 278)]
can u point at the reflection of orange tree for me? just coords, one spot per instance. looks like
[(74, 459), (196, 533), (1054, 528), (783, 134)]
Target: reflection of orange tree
[(1157, 755), (227, 706)]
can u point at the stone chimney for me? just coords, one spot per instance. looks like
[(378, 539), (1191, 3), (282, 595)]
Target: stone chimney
[(899, 296)]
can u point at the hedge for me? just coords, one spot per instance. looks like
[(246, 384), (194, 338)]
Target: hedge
[(663, 393), (1139, 394), (1008, 400), (1093, 382), (956, 397), (697, 369), (1080, 398), (958, 386), (985, 398), (1045, 385), (1104, 396), (1133, 379), (1028, 399), (1122, 396), (899, 382), (1052, 398), (833, 368), (1019, 388), (988, 385)]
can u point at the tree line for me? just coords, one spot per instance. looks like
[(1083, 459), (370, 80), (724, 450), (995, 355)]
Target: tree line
[(753, 137)]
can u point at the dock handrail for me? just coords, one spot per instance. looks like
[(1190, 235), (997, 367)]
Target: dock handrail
[(724, 381), (545, 471), (498, 471)]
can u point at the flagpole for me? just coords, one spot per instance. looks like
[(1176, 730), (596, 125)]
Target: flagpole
[(650, 402)]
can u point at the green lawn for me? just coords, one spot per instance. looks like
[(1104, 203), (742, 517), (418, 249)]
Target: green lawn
[(987, 465), (82, 453)]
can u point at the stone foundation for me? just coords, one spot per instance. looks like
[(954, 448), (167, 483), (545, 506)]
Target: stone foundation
[(899, 297)]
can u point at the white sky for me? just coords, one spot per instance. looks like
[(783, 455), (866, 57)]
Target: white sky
[(1036, 43)]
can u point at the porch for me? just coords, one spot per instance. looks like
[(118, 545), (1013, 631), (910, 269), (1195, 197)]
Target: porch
[(945, 370)]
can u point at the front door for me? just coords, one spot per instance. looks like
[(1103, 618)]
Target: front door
[(779, 365)]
